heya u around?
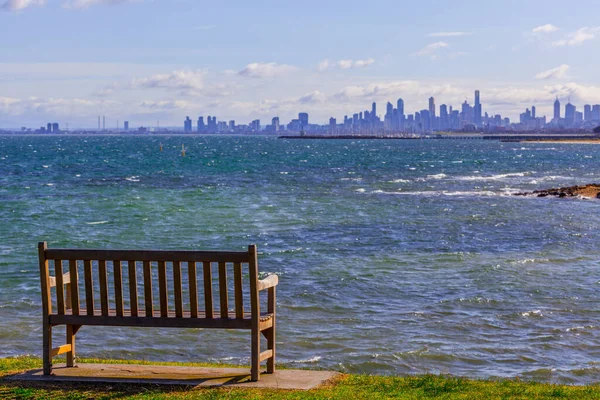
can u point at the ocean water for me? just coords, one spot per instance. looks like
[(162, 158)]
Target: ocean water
[(394, 257)]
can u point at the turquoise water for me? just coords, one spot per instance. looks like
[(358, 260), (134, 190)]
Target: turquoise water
[(395, 257)]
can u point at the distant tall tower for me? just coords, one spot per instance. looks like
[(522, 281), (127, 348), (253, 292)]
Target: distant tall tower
[(477, 109), (532, 112), (557, 109), (400, 107), (98, 122), (374, 111), (303, 118), (103, 123), (431, 107)]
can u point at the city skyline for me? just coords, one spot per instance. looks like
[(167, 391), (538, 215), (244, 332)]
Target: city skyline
[(226, 60)]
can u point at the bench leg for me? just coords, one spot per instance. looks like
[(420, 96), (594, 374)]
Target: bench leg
[(255, 358), (271, 346), (47, 348), (71, 330)]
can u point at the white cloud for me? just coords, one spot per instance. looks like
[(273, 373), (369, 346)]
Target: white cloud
[(177, 80), (578, 37), (548, 28), (431, 49), (345, 64), (312, 98), (16, 5), (266, 70), (449, 34), (554, 73)]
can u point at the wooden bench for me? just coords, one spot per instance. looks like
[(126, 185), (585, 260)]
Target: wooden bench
[(99, 299)]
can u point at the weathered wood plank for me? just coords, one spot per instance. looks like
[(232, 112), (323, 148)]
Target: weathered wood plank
[(265, 354), (224, 304), (74, 286), (46, 308), (60, 286), (148, 299), (239, 294), (65, 348), (89, 286), (103, 278), (118, 277), (271, 301), (177, 289), (193, 285), (147, 255), (255, 312), (133, 289), (208, 289), (157, 321), (162, 289)]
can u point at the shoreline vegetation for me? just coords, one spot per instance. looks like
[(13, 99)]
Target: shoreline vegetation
[(591, 191), (345, 387)]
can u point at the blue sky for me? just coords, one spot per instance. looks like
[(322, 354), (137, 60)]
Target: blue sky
[(144, 60)]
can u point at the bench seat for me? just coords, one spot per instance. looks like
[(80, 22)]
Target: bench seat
[(112, 319)]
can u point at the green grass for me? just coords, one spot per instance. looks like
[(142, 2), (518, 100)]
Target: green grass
[(352, 387)]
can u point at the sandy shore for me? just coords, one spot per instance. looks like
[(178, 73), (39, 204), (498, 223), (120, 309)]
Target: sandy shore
[(590, 191)]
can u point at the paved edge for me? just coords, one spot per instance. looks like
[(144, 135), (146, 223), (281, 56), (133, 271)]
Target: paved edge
[(179, 375)]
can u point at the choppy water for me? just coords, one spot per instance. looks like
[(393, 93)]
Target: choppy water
[(395, 257)]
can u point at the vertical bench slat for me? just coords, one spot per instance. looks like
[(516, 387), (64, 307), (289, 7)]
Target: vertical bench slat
[(89, 287), (148, 289), (103, 287), (223, 290), (118, 287), (133, 291), (192, 279), (162, 287), (177, 287), (208, 292), (60, 288), (74, 286), (239, 299)]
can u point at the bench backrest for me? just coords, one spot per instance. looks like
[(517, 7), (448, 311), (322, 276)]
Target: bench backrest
[(149, 283)]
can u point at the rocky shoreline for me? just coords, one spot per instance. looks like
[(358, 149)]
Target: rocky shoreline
[(590, 191)]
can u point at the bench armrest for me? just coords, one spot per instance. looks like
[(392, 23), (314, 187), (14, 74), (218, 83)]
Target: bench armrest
[(268, 282)]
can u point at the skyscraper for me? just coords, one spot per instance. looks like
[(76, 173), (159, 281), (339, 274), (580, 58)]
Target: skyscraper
[(443, 117), (200, 124), (126, 125), (187, 125), (431, 107), (570, 113), (557, 109), (303, 118), (532, 112), (477, 109), (275, 123), (587, 112)]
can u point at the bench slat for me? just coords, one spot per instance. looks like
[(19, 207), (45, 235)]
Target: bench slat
[(193, 282), (177, 288), (156, 321), (103, 287), (148, 300), (147, 255), (74, 286), (89, 287), (118, 275), (133, 290), (239, 299), (223, 290), (208, 289), (162, 288), (60, 288)]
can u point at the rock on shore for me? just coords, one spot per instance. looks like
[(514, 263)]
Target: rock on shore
[(592, 191)]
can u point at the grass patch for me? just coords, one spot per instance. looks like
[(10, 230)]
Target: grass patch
[(353, 387)]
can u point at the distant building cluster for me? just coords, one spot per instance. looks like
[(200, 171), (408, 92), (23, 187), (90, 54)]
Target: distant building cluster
[(467, 118)]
